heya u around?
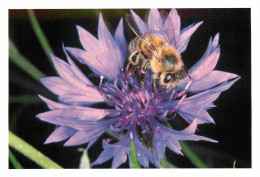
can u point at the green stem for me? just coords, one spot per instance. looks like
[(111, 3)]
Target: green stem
[(40, 35), (164, 162), (193, 157), (23, 63), (14, 161), (134, 160), (32, 153), (24, 99)]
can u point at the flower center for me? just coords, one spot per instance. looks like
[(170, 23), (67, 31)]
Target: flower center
[(135, 104)]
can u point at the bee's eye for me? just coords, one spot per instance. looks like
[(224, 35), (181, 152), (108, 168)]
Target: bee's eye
[(168, 78), (170, 58)]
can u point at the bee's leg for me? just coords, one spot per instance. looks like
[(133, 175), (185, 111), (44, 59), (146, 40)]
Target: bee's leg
[(156, 82), (133, 59), (130, 68), (144, 68), (186, 88)]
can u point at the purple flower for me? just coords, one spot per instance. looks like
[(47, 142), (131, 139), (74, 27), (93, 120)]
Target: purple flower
[(139, 114)]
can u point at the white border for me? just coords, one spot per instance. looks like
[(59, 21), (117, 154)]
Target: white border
[(77, 4)]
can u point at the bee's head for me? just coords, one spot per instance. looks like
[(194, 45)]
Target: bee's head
[(170, 58)]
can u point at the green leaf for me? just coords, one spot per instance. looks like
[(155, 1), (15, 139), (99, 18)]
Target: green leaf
[(134, 160), (26, 99), (32, 153), (14, 161), (164, 162), (40, 35), (84, 160), (195, 160), (23, 63)]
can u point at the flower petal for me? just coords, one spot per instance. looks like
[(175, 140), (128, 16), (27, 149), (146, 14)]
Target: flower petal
[(104, 156), (209, 81), (91, 142), (173, 21), (121, 42), (59, 134), (155, 22), (75, 117), (98, 62), (118, 151), (81, 94), (185, 36), (188, 134), (107, 45), (67, 73), (143, 29), (57, 85), (88, 41), (81, 100), (91, 132), (207, 66), (76, 70), (52, 104), (196, 106), (142, 153)]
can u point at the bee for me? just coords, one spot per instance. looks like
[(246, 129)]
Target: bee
[(153, 51)]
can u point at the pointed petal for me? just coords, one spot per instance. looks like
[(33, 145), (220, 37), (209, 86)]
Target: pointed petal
[(140, 24), (104, 156), (59, 134), (91, 143), (120, 157), (88, 41), (107, 45), (60, 87), (118, 151), (66, 72), (51, 104), (155, 22), (209, 95), (142, 153), (210, 49), (185, 36), (121, 42), (75, 117), (189, 134), (56, 84), (86, 58), (99, 62), (209, 81), (196, 106), (81, 100), (82, 137), (76, 70), (159, 145), (173, 21), (201, 114), (207, 66), (191, 129)]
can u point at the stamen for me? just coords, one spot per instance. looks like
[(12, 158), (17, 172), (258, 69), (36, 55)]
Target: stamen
[(178, 105), (109, 140), (186, 88), (101, 80)]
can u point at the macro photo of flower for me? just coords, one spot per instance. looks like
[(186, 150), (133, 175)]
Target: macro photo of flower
[(130, 88)]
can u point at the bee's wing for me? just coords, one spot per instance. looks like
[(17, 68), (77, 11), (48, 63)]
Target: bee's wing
[(168, 31), (145, 36), (134, 26)]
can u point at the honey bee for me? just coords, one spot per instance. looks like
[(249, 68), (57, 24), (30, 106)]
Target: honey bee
[(152, 51)]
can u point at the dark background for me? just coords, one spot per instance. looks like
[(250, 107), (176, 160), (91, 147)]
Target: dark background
[(232, 114)]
